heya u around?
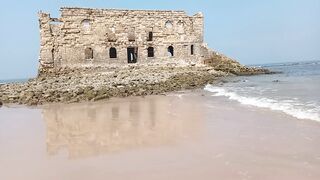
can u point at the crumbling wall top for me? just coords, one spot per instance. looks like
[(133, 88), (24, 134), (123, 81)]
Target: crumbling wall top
[(70, 11), (114, 9)]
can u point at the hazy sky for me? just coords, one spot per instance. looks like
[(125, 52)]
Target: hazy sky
[(251, 31)]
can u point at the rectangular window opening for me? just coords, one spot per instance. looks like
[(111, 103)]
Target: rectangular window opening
[(192, 49), (150, 37)]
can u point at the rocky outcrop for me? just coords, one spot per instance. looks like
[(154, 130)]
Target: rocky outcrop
[(93, 84), (223, 63)]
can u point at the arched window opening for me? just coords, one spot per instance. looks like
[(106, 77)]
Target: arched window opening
[(111, 37), (150, 52), (131, 34), (88, 53), (169, 25), (86, 24), (113, 52), (180, 25), (170, 51), (192, 49), (150, 37), (131, 37)]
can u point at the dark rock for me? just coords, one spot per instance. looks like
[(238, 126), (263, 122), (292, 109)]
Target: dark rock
[(101, 97), (74, 100), (90, 94)]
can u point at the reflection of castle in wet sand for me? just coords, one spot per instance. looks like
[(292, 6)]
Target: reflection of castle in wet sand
[(121, 124)]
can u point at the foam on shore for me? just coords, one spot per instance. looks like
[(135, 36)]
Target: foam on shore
[(289, 108)]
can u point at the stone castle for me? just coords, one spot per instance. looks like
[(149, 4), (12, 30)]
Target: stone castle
[(84, 37)]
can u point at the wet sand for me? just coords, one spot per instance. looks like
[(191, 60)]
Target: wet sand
[(185, 136)]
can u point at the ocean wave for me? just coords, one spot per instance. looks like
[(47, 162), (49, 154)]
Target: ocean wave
[(285, 106), (316, 62)]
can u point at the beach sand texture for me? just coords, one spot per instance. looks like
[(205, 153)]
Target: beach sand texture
[(186, 135)]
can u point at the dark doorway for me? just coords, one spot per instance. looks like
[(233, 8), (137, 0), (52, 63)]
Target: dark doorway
[(132, 54), (170, 51), (113, 52), (192, 49), (150, 52), (88, 53)]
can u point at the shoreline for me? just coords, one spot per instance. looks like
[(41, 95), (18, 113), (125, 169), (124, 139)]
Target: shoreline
[(94, 84), (71, 86)]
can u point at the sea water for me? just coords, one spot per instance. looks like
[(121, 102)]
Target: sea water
[(295, 91), (4, 81)]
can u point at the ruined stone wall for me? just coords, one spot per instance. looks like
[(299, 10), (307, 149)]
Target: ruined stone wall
[(83, 37)]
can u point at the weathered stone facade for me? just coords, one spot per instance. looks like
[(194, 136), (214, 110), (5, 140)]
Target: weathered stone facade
[(101, 37)]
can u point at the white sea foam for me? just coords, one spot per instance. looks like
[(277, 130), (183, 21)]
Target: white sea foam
[(288, 107)]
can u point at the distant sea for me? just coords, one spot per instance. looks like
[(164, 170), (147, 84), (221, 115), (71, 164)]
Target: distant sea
[(13, 80), (296, 91)]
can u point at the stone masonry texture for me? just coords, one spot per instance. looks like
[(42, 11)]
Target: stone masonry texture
[(85, 37)]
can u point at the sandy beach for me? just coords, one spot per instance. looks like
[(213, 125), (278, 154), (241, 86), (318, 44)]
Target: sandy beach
[(157, 90), (184, 135)]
